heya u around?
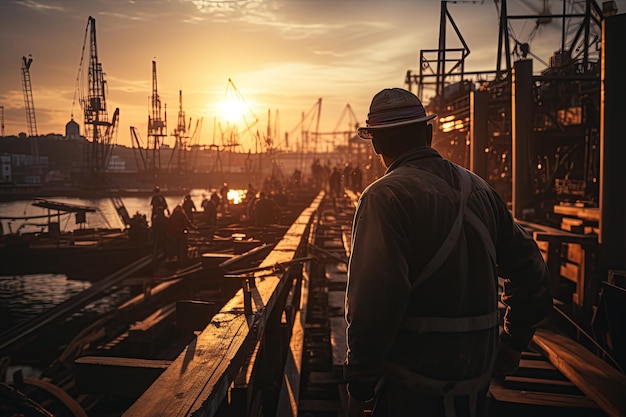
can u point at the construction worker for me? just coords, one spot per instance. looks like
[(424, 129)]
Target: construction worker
[(189, 206), (158, 200), (178, 228), (210, 210), (429, 240), (158, 228), (265, 211)]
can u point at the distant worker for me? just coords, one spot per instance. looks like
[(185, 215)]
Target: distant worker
[(189, 206), (224, 197), (335, 183), (178, 228), (429, 240), (158, 230), (357, 179), (265, 210), (210, 211), (158, 200), (250, 193)]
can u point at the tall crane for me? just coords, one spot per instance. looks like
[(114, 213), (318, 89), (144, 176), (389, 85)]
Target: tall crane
[(157, 126), (2, 121), (30, 108), (98, 130), (28, 95), (181, 138)]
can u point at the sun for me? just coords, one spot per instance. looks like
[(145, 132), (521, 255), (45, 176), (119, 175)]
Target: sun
[(233, 110)]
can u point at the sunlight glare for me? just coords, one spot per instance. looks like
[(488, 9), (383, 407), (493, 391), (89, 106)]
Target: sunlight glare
[(232, 110)]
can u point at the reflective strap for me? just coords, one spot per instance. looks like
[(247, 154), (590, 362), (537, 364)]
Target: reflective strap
[(482, 231), (420, 383), (451, 324), (447, 389), (453, 235)]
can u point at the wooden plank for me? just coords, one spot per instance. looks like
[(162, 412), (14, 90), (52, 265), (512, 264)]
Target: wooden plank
[(120, 377), (599, 381), (338, 340), (524, 383), (336, 269), (319, 405), (575, 252), (324, 378), (204, 362), (543, 399), (288, 398), (536, 364), (570, 271), (336, 303), (587, 213)]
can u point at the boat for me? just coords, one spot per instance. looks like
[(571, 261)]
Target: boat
[(84, 253)]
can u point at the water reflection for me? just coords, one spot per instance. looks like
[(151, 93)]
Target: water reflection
[(26, 296)]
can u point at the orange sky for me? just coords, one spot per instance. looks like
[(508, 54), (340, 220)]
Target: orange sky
[(282, 55)]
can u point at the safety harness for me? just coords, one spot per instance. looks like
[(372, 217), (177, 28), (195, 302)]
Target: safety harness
[(448, 388)]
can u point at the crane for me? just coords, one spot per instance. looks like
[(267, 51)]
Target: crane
[(30, 108), (138, 149), (181, 138), (97, 126), (2, 121), (157, 126), (28, 95)]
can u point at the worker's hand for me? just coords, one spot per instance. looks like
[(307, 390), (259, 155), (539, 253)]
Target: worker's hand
[(507, 361), (356, 407)]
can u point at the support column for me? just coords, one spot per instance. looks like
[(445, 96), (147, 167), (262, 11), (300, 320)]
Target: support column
[(522, 132), (612, 147), (479, 111)]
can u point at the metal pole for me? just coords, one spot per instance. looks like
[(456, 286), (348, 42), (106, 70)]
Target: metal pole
[(522, 129), (479, 109), (612, 147)]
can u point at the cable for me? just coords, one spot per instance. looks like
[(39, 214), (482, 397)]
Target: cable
[(591, 339)]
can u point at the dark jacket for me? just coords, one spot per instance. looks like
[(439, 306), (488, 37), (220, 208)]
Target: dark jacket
[(400, 223)]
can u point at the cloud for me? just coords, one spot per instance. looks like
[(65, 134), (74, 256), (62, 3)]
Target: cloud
[(39, 6), (125, 16)]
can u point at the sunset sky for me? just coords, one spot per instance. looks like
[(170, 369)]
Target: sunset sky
[(281, 55)]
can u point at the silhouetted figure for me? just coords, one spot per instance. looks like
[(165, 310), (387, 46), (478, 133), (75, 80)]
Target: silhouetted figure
[(346, 175), (357, 179), (189, 207), (265, 211), (210, 211), (178, 228), (158, 200), (224, 197), (158, 230), (335, 183), (215, 199)]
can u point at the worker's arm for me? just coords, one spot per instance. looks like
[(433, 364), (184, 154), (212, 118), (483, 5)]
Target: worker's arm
[(527, 292), (378, 290)]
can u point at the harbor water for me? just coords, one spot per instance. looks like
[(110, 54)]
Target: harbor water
[(25, 296)]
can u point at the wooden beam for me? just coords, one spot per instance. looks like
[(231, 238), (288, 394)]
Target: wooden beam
[(598, 380), (120, 377)]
